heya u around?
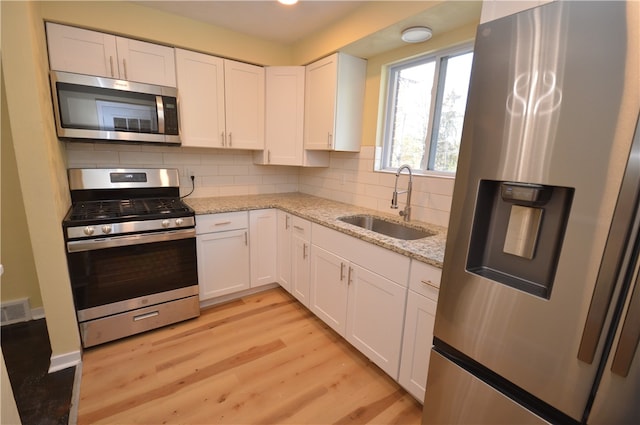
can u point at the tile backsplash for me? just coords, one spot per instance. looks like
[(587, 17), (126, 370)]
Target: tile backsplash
[(218, 172), (350, 178)]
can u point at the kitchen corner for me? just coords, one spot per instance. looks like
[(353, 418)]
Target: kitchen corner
[(326, 212)]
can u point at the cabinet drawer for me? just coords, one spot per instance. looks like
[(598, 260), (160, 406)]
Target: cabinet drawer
[(425, 279), (301, 228), (222, 222)]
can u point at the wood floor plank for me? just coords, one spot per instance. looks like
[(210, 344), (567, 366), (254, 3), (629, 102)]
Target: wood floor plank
[(263, 359)]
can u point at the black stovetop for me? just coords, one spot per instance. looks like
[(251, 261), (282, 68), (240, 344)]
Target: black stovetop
[(126, 209)]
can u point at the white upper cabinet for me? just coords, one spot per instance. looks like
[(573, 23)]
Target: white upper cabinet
[(200, 99), (284, 120), (244, 101), (88, 52), (221, 102), (146, 62), (334, 101)]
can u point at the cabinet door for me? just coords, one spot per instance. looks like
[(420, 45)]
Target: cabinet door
[(320, 102), (375, 318), (223, 263), (329, 288), (284, 115), (146, 62), (284, 250), (82, 51), (416, 344), (201, 99), (244, 101), (262, 237), (300, 269)]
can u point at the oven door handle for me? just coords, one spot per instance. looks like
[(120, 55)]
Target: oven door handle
[(118, 241)]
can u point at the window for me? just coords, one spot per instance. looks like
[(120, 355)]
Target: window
[(426, 101)]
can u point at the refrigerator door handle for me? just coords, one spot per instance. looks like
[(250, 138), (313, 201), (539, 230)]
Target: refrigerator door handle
[(630, 334), (616, 253)]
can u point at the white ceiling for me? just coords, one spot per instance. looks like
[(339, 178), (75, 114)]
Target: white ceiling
[(282, 24), (266, 19)]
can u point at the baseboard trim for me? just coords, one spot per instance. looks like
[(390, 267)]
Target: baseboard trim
[(236, 295), (64, 361), (37, 313), (75, 396)]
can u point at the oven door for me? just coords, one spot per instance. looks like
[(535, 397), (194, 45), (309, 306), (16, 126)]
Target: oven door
[(112, 275)]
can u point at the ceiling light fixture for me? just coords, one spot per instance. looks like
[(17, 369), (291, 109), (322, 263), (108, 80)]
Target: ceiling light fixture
[(416, 34), (288, 2)]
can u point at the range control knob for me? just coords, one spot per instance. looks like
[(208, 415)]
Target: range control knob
[(166, 223), (106, 229), (179, 221), (88, 230)]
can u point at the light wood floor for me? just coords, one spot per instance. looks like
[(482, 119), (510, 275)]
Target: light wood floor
[(263, 359)]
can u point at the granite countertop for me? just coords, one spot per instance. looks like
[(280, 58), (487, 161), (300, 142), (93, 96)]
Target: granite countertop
[(323, 211)]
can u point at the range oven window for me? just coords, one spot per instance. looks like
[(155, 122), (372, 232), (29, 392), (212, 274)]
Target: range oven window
[(109, 275)]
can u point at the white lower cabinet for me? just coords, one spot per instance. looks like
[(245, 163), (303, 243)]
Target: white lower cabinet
[(262, 236), (283, 261), (374, 318), (329, 291), (353, 292), (223, 253), (424, 282), (300, 262)]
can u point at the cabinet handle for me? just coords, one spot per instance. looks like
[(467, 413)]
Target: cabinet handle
[(222, 223), (298, 228), (341, 271), (146, 316), (222, 138), (246, 238), (429, 283), (230, 140), (111, 64), (329, 139), (124, 66), (304, 251), (349, 276), (268, 156), (286, 222)]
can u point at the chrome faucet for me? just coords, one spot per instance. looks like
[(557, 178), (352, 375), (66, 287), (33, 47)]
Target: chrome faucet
[(406, 212)]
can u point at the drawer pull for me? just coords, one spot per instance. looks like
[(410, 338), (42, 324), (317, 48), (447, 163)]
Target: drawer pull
[(146, 316), (221, 223), (298, 228), (429, 283)]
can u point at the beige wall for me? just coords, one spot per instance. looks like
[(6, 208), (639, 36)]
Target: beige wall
[(20, 279), (41, 165)]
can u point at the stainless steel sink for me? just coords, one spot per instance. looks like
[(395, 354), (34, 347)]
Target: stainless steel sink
[(385, 227)]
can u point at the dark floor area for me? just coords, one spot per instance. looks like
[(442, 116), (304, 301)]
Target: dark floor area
[(42, 398)]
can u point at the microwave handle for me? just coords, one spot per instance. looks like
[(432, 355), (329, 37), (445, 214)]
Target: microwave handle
[(160, 108)]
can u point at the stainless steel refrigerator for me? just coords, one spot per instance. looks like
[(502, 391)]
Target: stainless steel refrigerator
[(538, 316)]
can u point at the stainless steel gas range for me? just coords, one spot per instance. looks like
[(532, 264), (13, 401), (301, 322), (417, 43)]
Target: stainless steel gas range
[(131, 252)]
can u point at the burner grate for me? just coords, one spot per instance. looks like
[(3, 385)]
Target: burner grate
[(97, 210)]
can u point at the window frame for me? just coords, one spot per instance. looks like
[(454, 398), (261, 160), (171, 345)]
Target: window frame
[(392, 69)]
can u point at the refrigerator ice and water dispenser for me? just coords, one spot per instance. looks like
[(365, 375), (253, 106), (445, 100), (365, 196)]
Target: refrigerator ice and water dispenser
[(517, 234)]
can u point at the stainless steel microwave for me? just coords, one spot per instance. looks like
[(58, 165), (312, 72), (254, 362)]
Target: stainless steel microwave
[(97, 108)]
